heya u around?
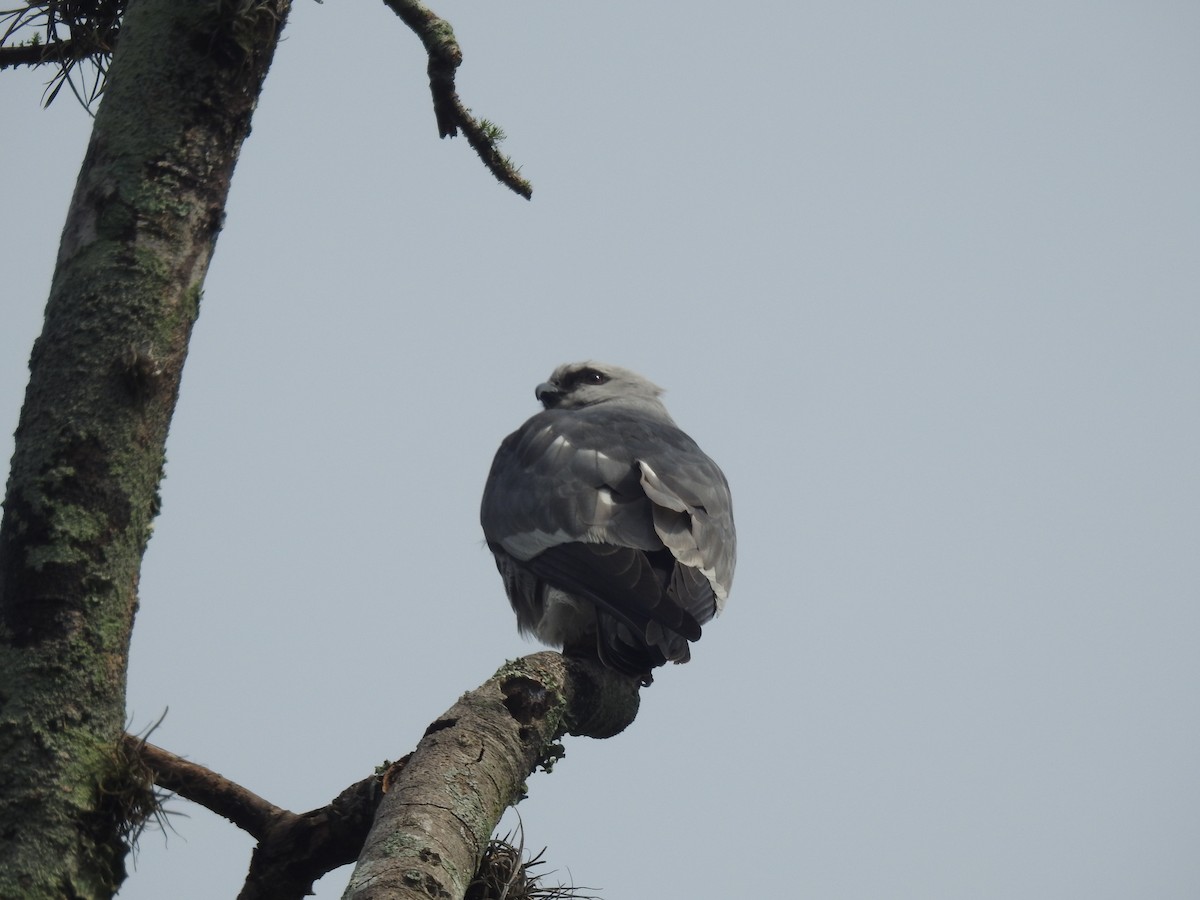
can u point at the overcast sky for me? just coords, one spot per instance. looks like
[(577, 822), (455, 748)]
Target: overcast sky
[(924, 279)]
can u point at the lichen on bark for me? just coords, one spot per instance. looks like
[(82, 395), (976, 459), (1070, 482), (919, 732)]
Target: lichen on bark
[(89, 450), (434, 824)]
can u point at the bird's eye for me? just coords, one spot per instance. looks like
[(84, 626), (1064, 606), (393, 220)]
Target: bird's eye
[(591, 376)]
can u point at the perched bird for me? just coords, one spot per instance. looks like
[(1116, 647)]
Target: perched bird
[(612, 530)]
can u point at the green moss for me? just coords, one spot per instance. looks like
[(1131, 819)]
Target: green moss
[(89, 454), (71, 524)]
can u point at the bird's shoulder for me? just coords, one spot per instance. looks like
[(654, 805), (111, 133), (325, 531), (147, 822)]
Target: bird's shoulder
[(620, 433)]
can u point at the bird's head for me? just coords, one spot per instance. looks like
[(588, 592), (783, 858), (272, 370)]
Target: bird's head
[(576, 385)]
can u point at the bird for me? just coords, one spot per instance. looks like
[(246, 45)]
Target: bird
[(611, 529)]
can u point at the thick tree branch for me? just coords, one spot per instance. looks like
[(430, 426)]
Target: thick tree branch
[(433, 825), (445, 56), (422, 825)]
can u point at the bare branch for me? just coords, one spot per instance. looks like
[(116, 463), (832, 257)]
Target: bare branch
[(445, 56), (293, 850), (434, 823), (194, 782), (469, 767)]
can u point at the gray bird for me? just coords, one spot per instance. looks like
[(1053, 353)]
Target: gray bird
[(612, 530)]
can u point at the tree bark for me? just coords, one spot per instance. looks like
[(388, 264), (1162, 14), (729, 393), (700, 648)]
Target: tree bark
[(436, 817), (104, 378)]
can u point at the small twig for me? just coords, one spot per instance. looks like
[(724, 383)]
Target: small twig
[(445, 56)]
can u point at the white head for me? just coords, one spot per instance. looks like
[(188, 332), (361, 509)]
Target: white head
[(578, 385)]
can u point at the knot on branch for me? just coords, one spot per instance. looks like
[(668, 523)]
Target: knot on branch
[(587, 698), (526, 699)]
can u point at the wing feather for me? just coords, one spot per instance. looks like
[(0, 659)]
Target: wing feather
[(618, 508)]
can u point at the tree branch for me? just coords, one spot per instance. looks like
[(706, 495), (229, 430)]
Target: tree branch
[(445, 56), (422, 825), (35, 54), (293, 850), (62, 33), (214, 792), (433, 825), (299, 849)]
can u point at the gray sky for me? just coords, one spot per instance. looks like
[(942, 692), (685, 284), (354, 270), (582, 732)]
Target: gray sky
[(923, 278)]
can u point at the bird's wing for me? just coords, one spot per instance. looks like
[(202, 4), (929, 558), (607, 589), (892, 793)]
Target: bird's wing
[(692, 513), (566, 499), (560, 479)]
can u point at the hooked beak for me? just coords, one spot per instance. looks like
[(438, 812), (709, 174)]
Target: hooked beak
[(548, 394)]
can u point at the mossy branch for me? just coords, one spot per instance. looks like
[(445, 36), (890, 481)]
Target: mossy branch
[(445, 56)]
